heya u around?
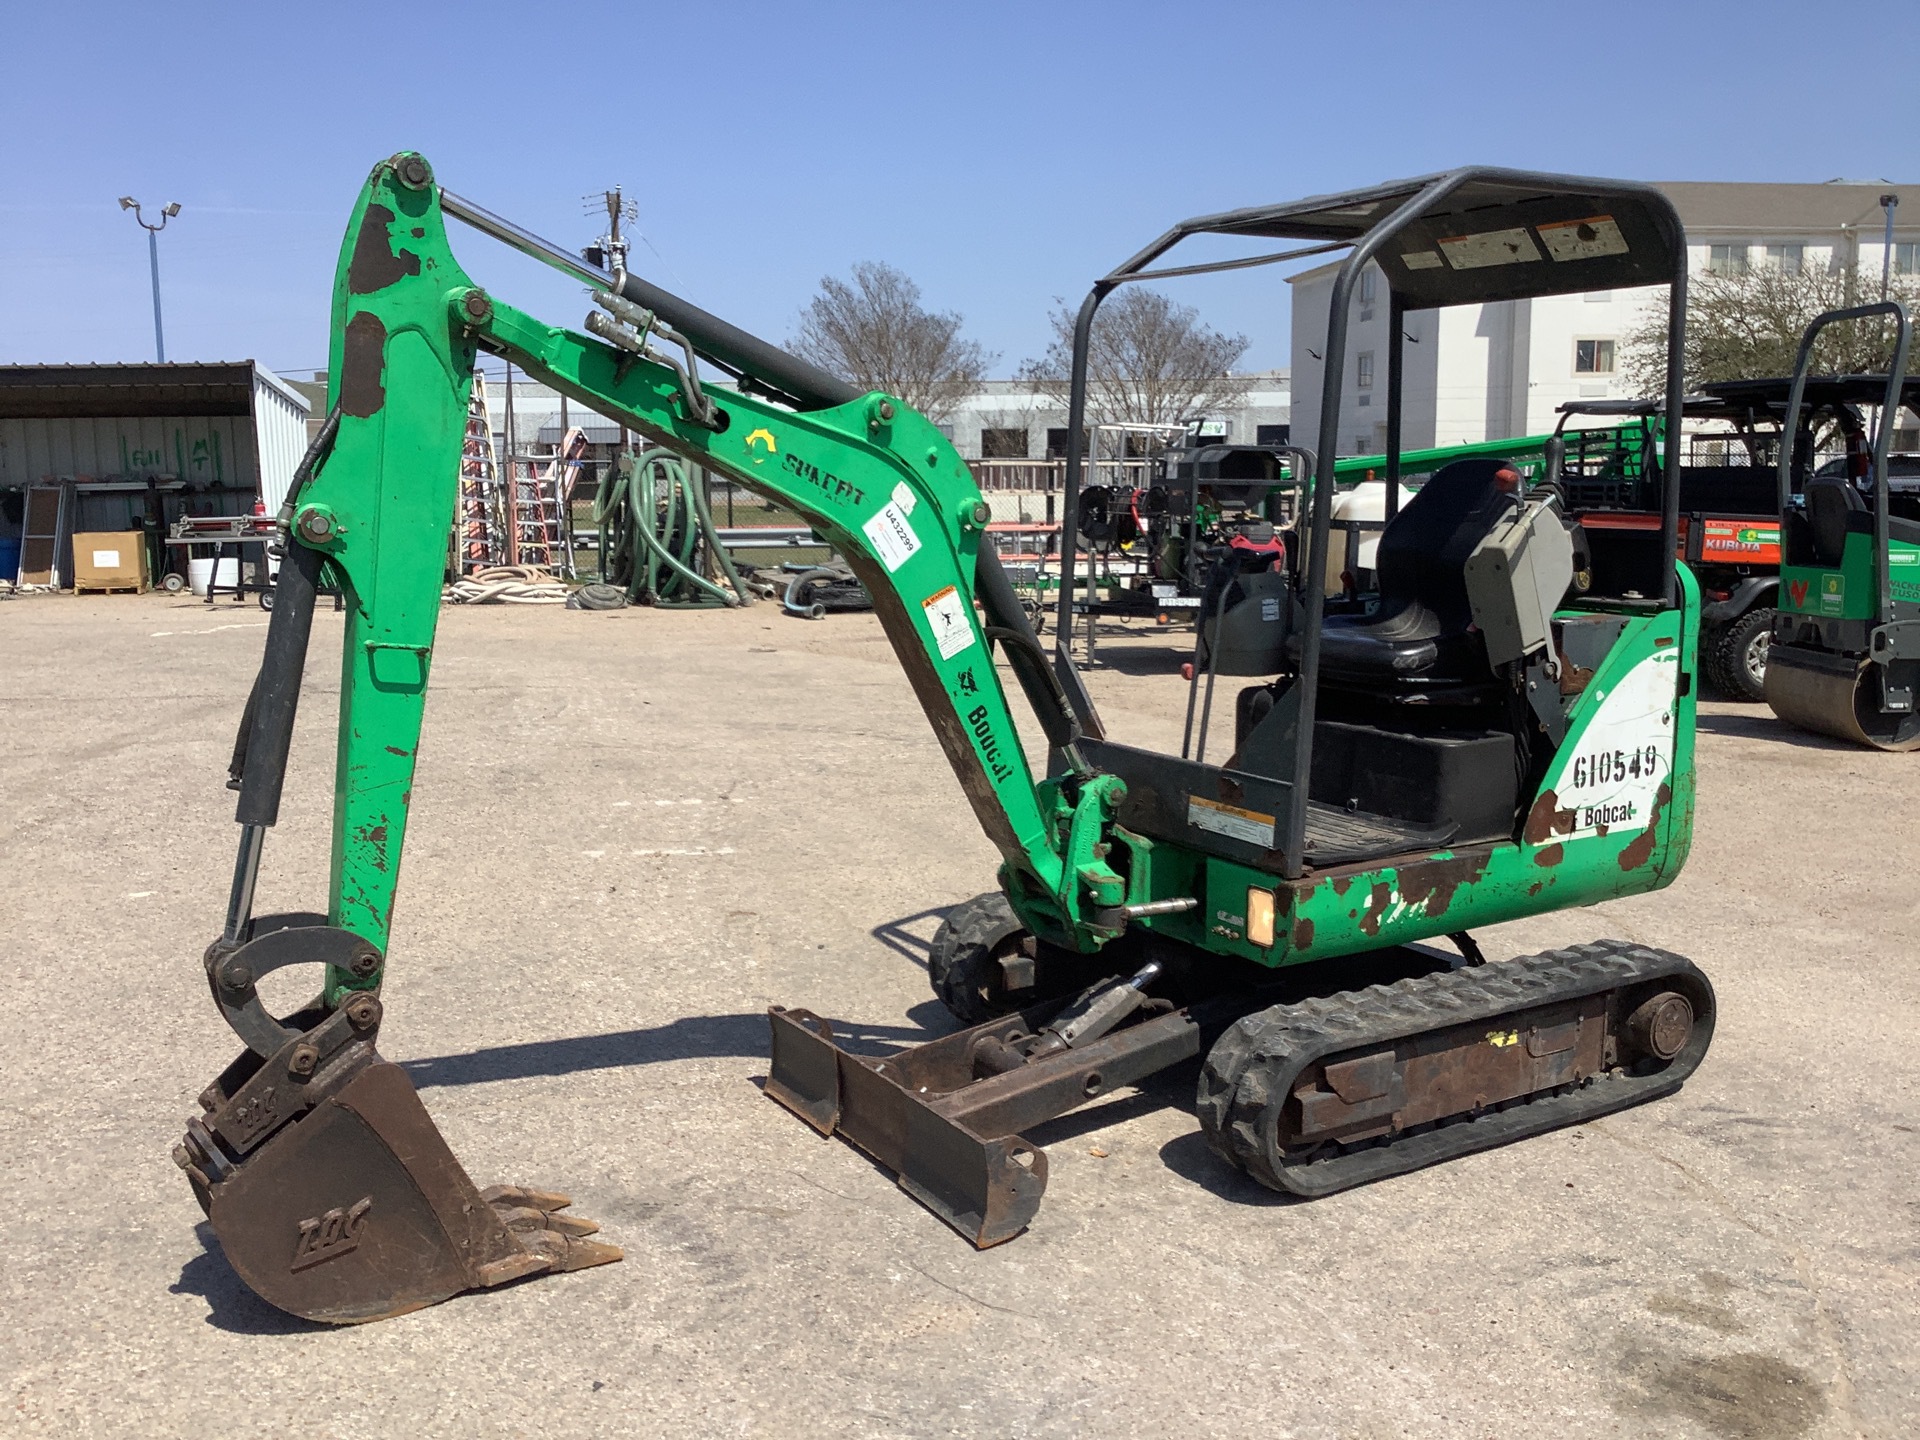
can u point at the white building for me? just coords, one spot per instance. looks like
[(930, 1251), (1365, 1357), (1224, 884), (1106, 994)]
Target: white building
[(1485, 372), (1013, 420)]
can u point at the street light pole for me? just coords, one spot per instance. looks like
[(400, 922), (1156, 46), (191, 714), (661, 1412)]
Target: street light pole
[(127, 202), (1888, 203)]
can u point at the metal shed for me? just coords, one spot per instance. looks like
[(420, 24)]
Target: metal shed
[(134, 447)]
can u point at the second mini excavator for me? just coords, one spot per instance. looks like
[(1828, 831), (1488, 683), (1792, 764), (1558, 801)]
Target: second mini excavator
[(1481, 739)]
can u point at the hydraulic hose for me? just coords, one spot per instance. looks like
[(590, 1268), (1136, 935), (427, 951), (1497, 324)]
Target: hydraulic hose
[(653, 520)]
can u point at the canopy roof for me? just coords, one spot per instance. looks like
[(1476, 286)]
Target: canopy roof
[(1480, 234)]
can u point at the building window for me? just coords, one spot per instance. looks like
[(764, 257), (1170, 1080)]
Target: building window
[(1057, 442), (1787, 259), (1726, 259), (1593, 357), (1272, 434), (1003, 444), (1369, 283), (945, 427), (1906, 258), (1363, 369)]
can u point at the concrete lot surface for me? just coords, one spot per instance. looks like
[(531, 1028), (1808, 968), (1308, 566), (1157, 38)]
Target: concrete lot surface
[(632, 832)]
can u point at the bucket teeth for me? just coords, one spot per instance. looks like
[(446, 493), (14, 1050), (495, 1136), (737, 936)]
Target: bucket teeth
[(513, 1195)]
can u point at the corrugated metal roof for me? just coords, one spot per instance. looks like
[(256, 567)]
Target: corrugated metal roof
[(114, 391)]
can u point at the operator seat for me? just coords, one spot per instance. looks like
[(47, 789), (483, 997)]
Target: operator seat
[(1830, 499), (1421, 637)]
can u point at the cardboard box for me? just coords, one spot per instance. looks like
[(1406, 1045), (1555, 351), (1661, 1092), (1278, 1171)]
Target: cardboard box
[(110, 560)]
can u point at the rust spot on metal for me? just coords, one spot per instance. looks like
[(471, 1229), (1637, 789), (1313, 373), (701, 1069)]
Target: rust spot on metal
[(363, 363), (1342, 884), (1434, 881), (374, 265), (1638, 850), (1231, 790), (1546, 819), (418, 232), (395, 750), (1535, 888), (1573, 678), (1302, 933), (1550, 854), (1378, 899), (1599, 832)]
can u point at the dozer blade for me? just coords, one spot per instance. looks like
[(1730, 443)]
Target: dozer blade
[(949, 1131), (335, 1198), (1833, 695)]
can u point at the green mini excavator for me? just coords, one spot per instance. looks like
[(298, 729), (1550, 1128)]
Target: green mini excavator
[(1490, 732)]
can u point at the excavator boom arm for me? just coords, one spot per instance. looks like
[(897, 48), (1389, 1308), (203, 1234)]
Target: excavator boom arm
[(874, 477)]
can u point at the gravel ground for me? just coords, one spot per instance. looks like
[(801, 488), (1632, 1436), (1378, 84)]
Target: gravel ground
[(632, 832)]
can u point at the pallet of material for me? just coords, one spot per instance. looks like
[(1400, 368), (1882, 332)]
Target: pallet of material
[(109, 562)]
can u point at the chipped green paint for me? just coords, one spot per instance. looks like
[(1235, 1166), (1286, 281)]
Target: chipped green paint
[(1557, 863)]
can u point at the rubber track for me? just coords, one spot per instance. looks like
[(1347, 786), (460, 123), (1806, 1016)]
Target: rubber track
[(971, 930), (1252, 1069)]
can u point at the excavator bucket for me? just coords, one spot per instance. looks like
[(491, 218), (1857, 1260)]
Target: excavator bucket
[(335, 1198), (1836, 695)]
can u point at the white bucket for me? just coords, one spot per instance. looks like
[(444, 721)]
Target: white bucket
[(200, 574)]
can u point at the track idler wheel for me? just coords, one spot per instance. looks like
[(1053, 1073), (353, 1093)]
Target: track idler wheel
[(330, 1190)]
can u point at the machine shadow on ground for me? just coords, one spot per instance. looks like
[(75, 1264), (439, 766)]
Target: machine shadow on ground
[(231, 1306), (1760, 723)]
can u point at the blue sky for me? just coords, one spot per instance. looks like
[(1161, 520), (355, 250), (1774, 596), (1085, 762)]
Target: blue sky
[(1001, 154)]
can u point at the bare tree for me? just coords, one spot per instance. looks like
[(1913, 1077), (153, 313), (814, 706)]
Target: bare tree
[(873, 332), (1747, 326), (1150, 361)]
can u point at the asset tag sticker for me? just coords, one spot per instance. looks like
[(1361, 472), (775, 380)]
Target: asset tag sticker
[(1231, 821), (892, 536), (1833, 594), (952, 626), (1587, 239), (1613, 776), (1492, 247)]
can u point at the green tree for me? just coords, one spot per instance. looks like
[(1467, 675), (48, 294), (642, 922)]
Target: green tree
[(1747, 326)]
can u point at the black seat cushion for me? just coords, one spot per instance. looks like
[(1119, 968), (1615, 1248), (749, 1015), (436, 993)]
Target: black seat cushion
[(1421, 635), (1830, 500)]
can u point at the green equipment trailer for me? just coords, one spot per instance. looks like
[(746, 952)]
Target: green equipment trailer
[(1485, 737)]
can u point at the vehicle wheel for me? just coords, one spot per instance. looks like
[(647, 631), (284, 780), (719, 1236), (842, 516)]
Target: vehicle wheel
[(266, 599), (173, 582), (1738, 662), (964, 962)]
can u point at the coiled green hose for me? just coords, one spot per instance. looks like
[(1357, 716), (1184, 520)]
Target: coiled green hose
[(653, 518)]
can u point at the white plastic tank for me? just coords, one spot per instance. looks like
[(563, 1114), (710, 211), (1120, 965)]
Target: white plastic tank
[(1365, 501), (200, 573)]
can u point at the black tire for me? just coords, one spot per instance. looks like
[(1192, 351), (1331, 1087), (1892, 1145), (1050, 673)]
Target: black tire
[(964, 961), (1737, 655)]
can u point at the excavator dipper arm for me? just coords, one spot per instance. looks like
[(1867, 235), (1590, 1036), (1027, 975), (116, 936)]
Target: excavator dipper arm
[(330, 1189)]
